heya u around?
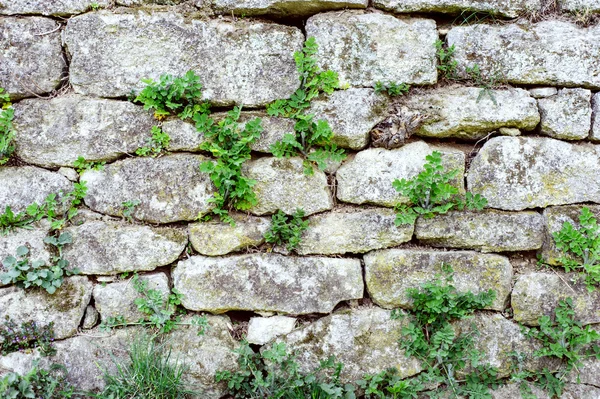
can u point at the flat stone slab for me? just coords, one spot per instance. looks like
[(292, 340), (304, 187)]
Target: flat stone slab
[(515, 173), (267, 282), (390, 273), (470, 113), (32, 238), (365, 340), (169, 188), (507, 8), (538, 294), (367, 178), (45, 7), (353, 230), (283, 8), (351, 114), (32, 63), (282, 184), (65, 308), (216, 238), (262, 330), (595, 134), (540, 53), (112, 52), (366, 48), (117, 299), (115, 247), (56, 132), (587, 6), (22, 186), (487, 231), (567, 115), (542, 92)]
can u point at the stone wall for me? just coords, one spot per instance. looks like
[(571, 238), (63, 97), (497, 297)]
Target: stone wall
[(528, 145)]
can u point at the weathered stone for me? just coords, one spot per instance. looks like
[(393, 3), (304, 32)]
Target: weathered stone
[(571, 391), (351, 115), (368, 177), (470, 113), (537, 294), (366, 48), (90, 318), (390, 273), (64, 308), (169, 188), (595, 135), (24, 185), (131, 3), (217, 238), (507, 8), (540, 54), (543, 92), (45, 7), (32, 61), (282, 184), (69, 173), (585, 6), (567, 115), (554, 218), (284, 8), (515, 173), (353, 230), (56, 132), (487, 231), (117, 299), (115, 247), (112, 52), (364, 340), (509, 131), (262, 330), (267, 282)]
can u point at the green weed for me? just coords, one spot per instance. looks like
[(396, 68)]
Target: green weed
[(82, 165), (7, 134), (158, 143), (129, 208), (447, 65), (26, 336), (392, 89), (286, 229), (37, 383)]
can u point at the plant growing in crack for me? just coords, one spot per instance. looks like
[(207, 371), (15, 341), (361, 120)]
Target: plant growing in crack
[(129, 208)]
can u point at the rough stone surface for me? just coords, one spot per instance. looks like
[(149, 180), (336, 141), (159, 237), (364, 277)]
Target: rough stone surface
[(365, 340), (236, 61), (368, 177), (539, 53), (217, 238), (595, 134), (22, 186), (389, 273), (56, 132), (487, 231), (554, 218), (69, 173), (31, 63), (506, 8), (90, 318), (587, 6), (543, 92), (567, 115), (170, 188), (45, 7), (65, 307), (115, 247), (538, 294), (515, 173), (284, 8), (262, 330), (351, 115), (469, 113), (366, 48), (267, 282), (353, 230), (282, 184), (117, 299)]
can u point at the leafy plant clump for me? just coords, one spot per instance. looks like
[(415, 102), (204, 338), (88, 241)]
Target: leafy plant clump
[(129, 208), (287, 229), (161, 312), (81, 165), (28, 335), (447, 65), (392, 89), (38, 274), (387, 384), (431, 193), (7, 134), (274, 373), (37, 383), (581, 248), (159, 142), (311, 140)]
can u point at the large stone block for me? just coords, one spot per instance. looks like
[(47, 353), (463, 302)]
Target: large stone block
[(367, 178), (507, 8), (236, 61), (539, 53), (515, 173), (56, 132), (595, 134), (567, 115), (169, 188), (46, 7), (284, 8), (582, 6), (32, 62), (267, 282), (390, 273), (365, 48)]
